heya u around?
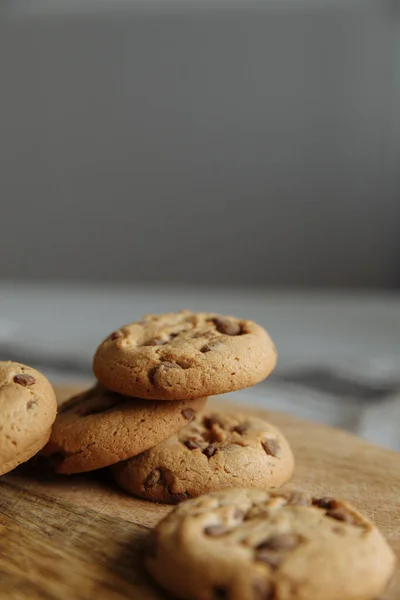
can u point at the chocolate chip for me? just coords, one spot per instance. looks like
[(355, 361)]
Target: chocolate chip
[(169, 365), (341, 514), (168, 478), (217, 435), (272, 447), (176, 498), (116, 335), (339, 530), (282, 541), (258, 590), (263, 590), (238, 514), (210, 450), (211, 343), (24, 380), (215, 530), (226, 326), (241, 428), (155, 342), (31, 404), (206, 348), (299, 499), (272, 550), (152, 478), (220, 593), (192, 444), (211, 421), (327, 503), (204, 333), (269, 556), (164, 366), (188, 413), (184, 364)]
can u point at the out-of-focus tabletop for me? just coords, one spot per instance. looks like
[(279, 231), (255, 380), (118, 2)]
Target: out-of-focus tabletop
[(339, 352)]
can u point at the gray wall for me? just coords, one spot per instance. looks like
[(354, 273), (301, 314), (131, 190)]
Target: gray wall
[(253, 143)]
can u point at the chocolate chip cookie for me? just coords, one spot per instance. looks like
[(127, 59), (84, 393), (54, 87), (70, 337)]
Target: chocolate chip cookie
[(99, 428), (28, 408), (255, 545), (184, 355), (213, 452)]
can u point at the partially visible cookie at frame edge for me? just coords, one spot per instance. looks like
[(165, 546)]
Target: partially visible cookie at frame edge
[(28, 408), (213, 452), (27, 454), (254, 545), (184, 355), (98, 428)]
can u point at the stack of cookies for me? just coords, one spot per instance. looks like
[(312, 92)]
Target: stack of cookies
[(145, 418), (143, 415)]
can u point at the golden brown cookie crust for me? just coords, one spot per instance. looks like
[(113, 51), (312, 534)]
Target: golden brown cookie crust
[(213, 452), (99, 428), (252, 545), (28, 408), (184, 355)]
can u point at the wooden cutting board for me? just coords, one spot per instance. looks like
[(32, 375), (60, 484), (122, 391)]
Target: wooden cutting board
[(80, 537)]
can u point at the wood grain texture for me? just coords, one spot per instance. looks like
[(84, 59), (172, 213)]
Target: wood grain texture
[(80, 537)]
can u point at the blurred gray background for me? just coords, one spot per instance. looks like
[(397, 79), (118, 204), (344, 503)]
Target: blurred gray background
[(161, 154), (217, 142)]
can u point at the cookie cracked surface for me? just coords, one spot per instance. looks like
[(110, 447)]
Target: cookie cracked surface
[(184, 355), (99, 428), (213, 452), (254, 545)]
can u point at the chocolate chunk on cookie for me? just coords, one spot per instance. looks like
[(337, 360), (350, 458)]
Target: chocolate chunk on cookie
[(243, 544), (28, 408), (184, 355), (99, 428), (212, 452)]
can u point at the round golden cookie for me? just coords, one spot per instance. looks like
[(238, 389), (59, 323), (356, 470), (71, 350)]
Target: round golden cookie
[(213, 452), (184, 355), (28, 408), (254, 545), (99, 428)]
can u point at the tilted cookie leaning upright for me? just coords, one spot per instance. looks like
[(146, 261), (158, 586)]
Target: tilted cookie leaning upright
[(28, 408), (184, 355)]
